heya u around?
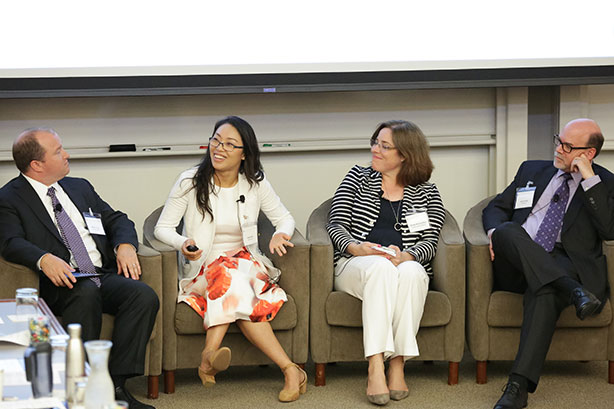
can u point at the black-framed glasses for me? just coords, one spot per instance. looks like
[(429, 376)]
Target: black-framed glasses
[(227, 146), (567, 147), (382, 145)]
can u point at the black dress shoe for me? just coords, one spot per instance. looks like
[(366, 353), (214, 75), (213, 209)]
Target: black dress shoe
[(121, 393), (586, 303), (514, 397)]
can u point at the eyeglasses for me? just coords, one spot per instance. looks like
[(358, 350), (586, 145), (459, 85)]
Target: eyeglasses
[(227, 146), (383, 146), (567, 147)]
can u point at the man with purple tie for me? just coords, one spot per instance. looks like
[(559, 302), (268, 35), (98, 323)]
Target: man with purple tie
[(84, 250), (546, 231)]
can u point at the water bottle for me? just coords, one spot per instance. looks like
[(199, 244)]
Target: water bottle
[(75, 362)]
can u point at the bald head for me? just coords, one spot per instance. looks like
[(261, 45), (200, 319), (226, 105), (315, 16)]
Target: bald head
[(587, 131)]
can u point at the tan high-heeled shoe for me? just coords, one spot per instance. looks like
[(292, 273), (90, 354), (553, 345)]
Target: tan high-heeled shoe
[(286, 395), (216, 361)]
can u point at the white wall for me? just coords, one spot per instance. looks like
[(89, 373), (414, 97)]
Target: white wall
[(139, 184), (595, 102)]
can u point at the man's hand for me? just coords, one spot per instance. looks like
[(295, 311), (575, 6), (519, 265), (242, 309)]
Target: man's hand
[(583, 165), (190, 255), (58, 271), (127, 261), (279, 242), (492, 253)]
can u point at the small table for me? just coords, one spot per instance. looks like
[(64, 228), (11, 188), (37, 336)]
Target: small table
[(10, 351)]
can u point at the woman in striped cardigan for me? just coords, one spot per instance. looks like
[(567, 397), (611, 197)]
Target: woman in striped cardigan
[(384, 223)]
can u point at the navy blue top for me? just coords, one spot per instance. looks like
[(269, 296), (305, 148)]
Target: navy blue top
[(383, 231)]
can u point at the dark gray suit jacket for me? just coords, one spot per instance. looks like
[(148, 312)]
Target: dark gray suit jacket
[(588, 221), (27, 232)]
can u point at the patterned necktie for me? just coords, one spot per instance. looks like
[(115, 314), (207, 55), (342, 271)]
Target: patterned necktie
[(550, 227), (72, 238)]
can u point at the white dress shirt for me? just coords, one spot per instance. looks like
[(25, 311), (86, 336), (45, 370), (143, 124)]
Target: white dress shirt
[(74, 214)]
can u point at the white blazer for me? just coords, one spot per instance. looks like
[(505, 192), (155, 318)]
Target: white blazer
[(181, 203)]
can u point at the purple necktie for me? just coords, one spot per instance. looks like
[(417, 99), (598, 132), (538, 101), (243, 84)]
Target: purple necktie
[(550, 227), (72, 238)]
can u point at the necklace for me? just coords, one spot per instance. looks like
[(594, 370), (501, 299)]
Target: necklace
[(397, 225)]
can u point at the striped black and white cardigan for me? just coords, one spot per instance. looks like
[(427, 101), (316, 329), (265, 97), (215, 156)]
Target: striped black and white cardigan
[(355, 209)]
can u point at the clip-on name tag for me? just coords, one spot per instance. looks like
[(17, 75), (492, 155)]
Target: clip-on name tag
[(524, 196)]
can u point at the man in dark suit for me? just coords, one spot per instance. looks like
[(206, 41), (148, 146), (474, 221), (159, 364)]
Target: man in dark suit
[(546, 231), (55, 224)]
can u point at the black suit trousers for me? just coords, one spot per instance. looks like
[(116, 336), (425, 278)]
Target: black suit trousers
[(134, 305), (523, 266)]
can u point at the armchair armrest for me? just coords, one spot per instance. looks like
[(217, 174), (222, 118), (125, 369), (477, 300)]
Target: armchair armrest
[(479, 281), (294, 266), (15, 276), (449, 278), (608, 250), (151, 268), (322, 275)]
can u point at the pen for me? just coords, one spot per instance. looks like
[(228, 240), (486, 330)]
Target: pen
[(161, 148), (276, 145)]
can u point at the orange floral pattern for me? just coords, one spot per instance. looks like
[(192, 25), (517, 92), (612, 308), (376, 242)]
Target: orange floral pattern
[(234, 286)]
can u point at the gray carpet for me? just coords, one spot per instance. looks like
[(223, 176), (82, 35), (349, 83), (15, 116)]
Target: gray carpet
[(564, 385)]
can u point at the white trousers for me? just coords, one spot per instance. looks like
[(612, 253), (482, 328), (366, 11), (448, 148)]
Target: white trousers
[(393, 300)]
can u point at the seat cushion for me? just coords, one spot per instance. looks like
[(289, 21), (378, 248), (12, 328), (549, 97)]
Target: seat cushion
[(188, 322), (343, 310), (505, 310)]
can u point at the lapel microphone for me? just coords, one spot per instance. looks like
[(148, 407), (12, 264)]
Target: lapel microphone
[(241, 199), (555, 198), (58, 208)]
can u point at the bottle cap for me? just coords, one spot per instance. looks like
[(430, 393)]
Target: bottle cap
[(74, 330)]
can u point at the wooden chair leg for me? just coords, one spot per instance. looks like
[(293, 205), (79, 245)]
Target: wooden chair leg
[(453, 373), (302, 366), (169, 381), (480, 372), (153, 385), (611, 372), (320, 374)]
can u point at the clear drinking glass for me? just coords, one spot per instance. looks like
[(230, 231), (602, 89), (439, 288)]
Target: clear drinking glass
[(26, 301)]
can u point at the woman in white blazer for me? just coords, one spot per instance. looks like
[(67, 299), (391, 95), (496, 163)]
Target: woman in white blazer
[(224, 276)]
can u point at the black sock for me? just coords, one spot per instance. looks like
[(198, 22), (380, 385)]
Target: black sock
[(521, 380), (565, 285)]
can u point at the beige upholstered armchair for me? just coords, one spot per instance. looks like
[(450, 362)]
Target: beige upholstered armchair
[(494, 318), (184, 337), (336, 317), (17, 276)]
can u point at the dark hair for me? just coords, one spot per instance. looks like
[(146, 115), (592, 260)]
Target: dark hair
[(250, 166), (595, 140), (26, 148), (413, 147)]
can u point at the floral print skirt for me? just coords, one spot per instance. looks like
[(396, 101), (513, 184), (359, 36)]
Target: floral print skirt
[(233, 288)]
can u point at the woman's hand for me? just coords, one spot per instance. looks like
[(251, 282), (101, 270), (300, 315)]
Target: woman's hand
[(400, 256), (365, 249), (190, 255), (279, 242)]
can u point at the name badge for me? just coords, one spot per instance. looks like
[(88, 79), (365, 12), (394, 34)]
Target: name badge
[(524, 196), (94, 223), (417, 221), (250, 234)]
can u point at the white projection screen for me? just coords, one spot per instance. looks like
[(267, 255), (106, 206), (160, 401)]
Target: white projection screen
[(55, 48)]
